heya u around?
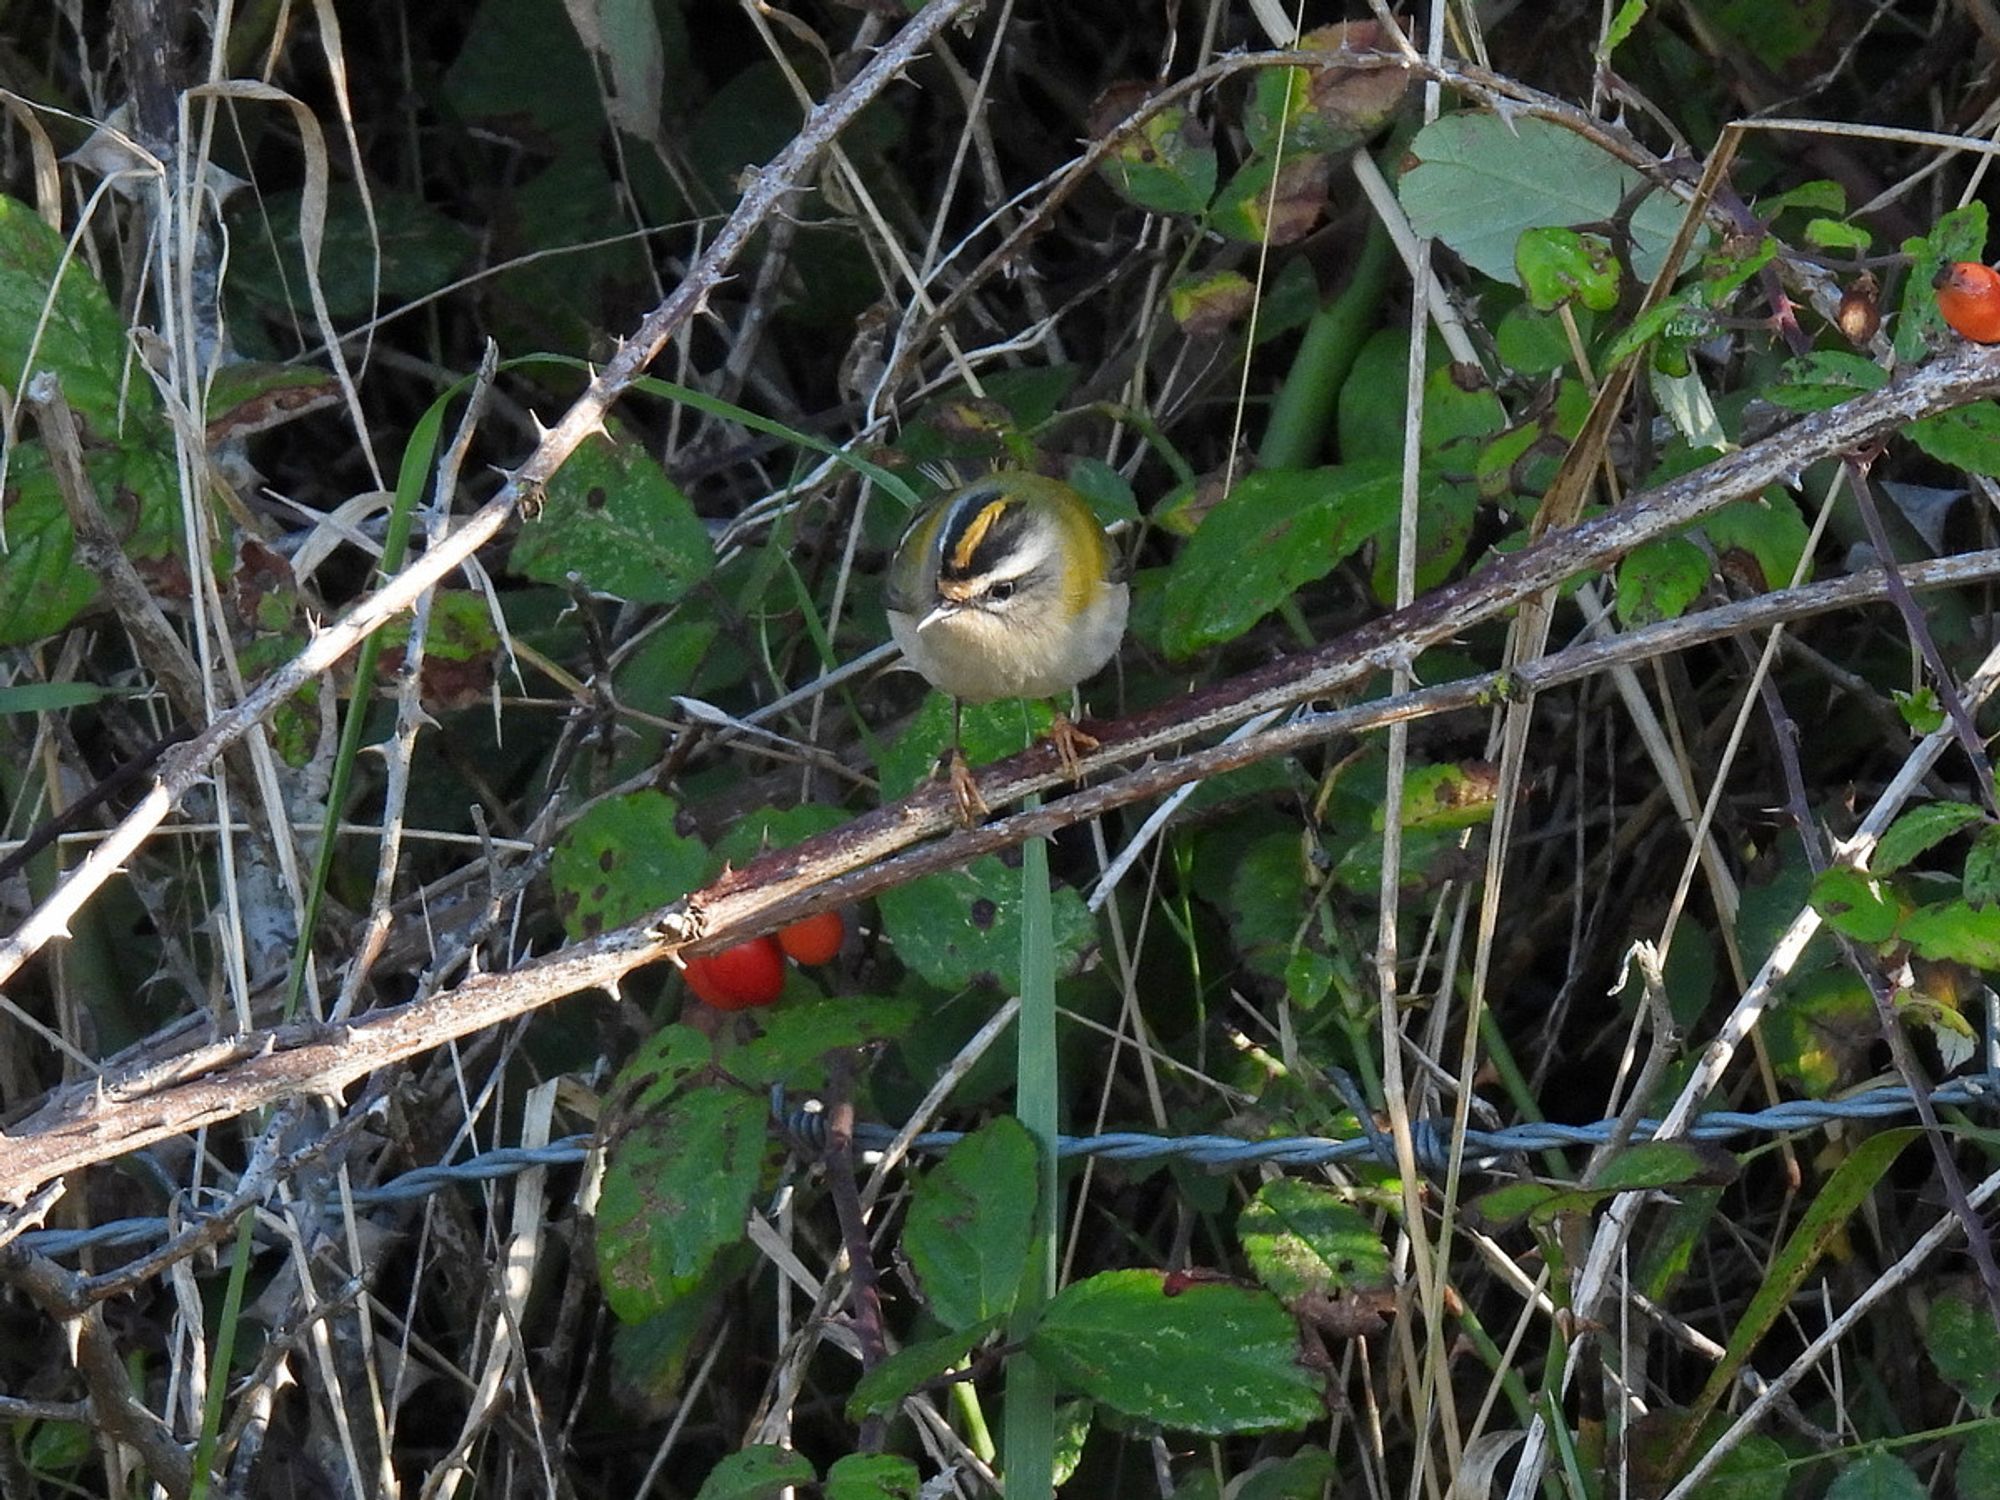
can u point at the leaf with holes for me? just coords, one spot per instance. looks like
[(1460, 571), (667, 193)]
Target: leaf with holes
[(612, 517)]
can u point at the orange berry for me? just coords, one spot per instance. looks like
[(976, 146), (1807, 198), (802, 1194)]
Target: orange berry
[(1968, 294), (816, 939), (738, 978)]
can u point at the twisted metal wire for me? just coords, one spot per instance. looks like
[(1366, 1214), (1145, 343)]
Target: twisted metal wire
[(806, 1126)]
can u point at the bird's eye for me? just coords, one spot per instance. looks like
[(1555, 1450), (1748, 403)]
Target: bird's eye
[(1001, 591)]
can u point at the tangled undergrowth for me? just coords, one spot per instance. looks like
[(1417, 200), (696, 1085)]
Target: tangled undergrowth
[(452, 455)]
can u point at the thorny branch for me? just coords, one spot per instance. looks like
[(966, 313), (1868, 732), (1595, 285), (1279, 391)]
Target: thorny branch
[(880, 849)]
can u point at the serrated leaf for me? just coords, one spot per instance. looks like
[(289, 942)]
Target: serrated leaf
[(1965, 1346), (69, 322), (1210, 1359), (1166, 165), (1768, 531), (1956, 930), (1968, 438), (1273, 202), (1982, 868), (1877, 1476), (963, 927), (759, 1473), (797, 1040), (1562, 265), (621, 859), (1917, 832), (612, 517), (1659, 579), (969, 1224), (1304, 1240), (912, 1367), (1304, 1475), (1979, 1464), (1480, 181), (42, 585), (1814, 382), (1854, 903), (872, 1476), (1275, 531), (1837, 234), (676, 1192)]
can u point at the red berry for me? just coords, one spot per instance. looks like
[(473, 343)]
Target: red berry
[(738, 978), (816, 939), (1968, 295)]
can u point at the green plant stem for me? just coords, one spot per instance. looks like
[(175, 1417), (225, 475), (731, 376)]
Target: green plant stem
[(1302, 415), (1029, 1458), (225, 1350)]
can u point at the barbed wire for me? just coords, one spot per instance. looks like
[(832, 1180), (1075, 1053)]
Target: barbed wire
[(805, 1126)]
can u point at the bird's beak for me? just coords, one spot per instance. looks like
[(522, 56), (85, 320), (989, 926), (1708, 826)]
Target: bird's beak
[(938, 612)]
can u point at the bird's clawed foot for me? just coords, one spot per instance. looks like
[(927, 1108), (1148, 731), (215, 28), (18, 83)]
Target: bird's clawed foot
[(1072, 744), (972, 808)]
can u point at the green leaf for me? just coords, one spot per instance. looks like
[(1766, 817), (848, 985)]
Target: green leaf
[(964, 927), (1979, 1465), (1919, 709), (1480, 181), (1968, 438), (64, 316), (872, 1476), (757, 833), (1211, 303), (1964, 1345), (1275, 531), (913, 1367), (612, 517), (1982, 868), (1877, 1476), (758, 1473), (1755, 1469), (650, 1358), (1820, 1032), (1814, 382), (1446, 796), (1209, 1358), (53, 697), (1823, 1222), (1305, 1475), (1837, 234), (1166, 166), (1273, 202), (42, 586), (676, 1192), (1303, 1240), (1659, 579), (1856, 904), (410, 251), (1917, 832), (1446, 514), (1630, 14), (969, 1222), (1956, 930), (1960, 234), (1561, 265), (1767, 532), (797, 1041), (621, 859)]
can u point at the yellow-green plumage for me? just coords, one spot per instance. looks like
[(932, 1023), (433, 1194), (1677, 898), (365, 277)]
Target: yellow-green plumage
[(1006, 588)]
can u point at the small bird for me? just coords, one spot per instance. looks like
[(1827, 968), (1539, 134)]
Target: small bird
[(1006, 588)]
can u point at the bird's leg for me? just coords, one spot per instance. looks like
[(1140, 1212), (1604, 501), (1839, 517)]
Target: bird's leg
[(971, 806)]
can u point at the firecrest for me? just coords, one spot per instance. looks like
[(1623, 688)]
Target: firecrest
[(1007, 588)]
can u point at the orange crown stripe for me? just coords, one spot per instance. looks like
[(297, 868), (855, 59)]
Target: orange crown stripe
[(975, 533)]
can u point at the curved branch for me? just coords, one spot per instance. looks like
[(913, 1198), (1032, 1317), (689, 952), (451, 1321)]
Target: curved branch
[(125, 1110)]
